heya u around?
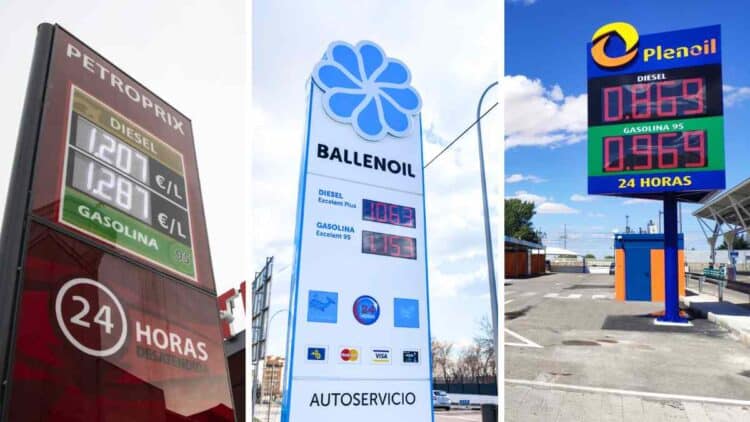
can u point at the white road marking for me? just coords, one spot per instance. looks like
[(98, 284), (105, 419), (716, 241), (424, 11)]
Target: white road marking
[(607, 296), (508, 301), (702, 399), (528, 294), (445, 415), (526, 342), (557, 296)]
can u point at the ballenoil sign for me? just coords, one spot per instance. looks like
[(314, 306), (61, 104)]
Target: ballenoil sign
[(108, 304), (655, 112), (358, 345)]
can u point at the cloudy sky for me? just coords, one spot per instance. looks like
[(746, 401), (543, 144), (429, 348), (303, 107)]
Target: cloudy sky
[(452, 50), (545, 130), (200, 72)]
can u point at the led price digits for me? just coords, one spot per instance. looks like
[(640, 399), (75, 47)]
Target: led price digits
[(383, 212), (655, 151), (389, 245), (644, 101)]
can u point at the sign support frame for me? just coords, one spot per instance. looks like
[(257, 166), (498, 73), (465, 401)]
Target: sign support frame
[(671, 264), (17, 215)]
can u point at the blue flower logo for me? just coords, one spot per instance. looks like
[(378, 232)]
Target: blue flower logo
[(365, 88)]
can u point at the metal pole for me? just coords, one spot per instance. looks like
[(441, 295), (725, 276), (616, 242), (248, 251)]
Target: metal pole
[(487, 230), (671, 270)]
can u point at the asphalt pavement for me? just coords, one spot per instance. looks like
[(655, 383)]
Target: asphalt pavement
[(572, 351)]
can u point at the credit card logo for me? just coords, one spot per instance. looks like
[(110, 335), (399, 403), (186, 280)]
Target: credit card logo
[(380, 356), (411, 357), (316, 353), (349, 355)]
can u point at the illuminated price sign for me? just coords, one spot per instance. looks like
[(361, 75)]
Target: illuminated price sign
[(655, 123), (360, 317), (108, 298), (125, 186)]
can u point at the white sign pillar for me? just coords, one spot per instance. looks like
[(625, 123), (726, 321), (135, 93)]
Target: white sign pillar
[(358, 345)]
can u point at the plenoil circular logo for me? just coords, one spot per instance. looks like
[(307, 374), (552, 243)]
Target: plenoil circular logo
[(366, 310), (629, 36)]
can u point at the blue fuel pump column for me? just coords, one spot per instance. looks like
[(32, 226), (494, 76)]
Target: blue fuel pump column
[(671, 264)]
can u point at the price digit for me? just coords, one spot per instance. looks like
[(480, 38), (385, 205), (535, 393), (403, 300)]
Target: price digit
[(641, 94), (699, 148), (612, 100), (647, 152), (664, 150), (393, 215), (696, 98), (394, 245), (663, 98), (619, 143)]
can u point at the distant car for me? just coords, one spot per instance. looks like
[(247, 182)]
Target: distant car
[(440, 400)]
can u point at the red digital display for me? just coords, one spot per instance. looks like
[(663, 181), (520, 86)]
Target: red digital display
[(652, 151), (654, 100), (383, 212), (389, 245)]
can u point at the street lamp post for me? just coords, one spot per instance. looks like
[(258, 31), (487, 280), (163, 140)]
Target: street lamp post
[(487, 230)]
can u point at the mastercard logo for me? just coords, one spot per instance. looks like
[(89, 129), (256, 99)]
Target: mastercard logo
[(629, 36), (349, 354)]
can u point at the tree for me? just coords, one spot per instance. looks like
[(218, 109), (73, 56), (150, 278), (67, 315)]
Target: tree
[(518, 215), (609, 257), (590, 256), (442, 362), (470, 365), (740, 243), (485, 343)]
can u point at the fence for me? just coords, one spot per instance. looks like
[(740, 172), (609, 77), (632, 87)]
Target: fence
[(486, 385)]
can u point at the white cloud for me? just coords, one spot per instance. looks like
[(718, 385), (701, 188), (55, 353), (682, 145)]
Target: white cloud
[(529, 197), (734, 95), (596, 214), (634, 201), (535, 115), (543, 204), (556, 208), (518, 177), (576, 197)]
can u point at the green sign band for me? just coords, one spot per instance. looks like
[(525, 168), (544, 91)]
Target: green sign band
[(110, 225), (714, 127)]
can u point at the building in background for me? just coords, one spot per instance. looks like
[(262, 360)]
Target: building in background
[(523, 258), (273, 372)]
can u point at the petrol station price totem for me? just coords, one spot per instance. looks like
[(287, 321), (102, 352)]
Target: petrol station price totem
[(656, 126), (358, 346), (109, 308)]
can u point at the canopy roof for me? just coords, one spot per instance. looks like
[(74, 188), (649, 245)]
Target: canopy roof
[(552, 250), (732, 207)]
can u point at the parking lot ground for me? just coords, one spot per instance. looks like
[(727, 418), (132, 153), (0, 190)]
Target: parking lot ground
[(457, 415), (584, 338)]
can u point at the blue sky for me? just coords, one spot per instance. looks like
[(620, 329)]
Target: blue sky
[(546, 110)]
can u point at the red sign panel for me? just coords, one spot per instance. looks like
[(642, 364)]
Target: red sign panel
[(117, 164), (111, 306), (102, 339)]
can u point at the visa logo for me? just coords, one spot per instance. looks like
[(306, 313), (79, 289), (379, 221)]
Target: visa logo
[(381, 355)]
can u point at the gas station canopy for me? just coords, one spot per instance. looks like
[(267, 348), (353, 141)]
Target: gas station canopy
[(731, 208)]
